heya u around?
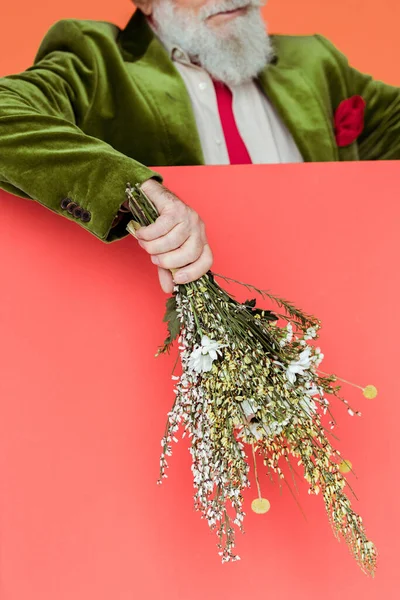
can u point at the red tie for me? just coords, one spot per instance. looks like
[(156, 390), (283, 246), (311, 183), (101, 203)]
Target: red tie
[(237, 151)]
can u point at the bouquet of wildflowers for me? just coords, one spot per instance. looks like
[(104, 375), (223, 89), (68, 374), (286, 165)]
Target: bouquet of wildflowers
[(248, 383)]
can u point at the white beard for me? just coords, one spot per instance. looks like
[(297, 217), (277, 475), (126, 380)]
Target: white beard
[(233, 52)]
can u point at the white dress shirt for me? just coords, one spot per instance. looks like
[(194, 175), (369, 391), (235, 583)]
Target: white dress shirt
[(262, 130)]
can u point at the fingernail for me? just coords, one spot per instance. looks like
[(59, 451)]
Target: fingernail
[(180, 278), (155, 260)]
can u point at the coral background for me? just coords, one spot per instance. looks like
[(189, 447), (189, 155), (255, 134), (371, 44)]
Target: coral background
[(83, 401)]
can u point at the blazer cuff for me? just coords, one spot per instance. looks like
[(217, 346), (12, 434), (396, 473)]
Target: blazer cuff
[(97, 206)]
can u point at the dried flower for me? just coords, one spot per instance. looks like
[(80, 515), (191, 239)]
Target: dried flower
[(262, 391), (370, 392)]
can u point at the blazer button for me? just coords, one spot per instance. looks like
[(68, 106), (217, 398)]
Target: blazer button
[(71, 206), (64, 203), (77, 212), (86, 216)]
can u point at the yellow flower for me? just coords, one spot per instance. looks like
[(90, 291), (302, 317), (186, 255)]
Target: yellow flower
[(370, 392), (260, 506), (345, 466)]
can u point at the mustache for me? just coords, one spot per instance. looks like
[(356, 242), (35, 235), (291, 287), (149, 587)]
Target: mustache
[(227, 5)]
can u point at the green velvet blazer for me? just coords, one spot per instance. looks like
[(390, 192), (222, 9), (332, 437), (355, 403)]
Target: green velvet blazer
[(101, 105)]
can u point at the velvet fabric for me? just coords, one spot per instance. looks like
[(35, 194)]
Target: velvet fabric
[(101, 105)]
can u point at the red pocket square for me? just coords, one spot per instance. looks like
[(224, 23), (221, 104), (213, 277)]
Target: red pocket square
[(349, 120)]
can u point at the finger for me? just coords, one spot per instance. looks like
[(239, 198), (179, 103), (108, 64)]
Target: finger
[(197, 269), (166, 281), (185, 255), (171, 241), (161, 226), (169, 207)]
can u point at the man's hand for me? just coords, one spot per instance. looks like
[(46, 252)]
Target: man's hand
[(176, 240)]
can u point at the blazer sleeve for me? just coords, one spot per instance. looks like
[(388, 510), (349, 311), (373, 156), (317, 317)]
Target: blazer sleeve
[(45, 154), (380, 139)]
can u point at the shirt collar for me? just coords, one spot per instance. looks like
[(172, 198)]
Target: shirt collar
[(175, 52)]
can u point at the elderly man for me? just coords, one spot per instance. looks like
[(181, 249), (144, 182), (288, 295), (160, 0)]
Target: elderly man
[(187, 82)]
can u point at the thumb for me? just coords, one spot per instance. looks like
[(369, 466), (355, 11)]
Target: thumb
[(166, 281)]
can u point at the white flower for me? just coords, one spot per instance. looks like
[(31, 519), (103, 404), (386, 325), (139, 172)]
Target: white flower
[(299, 366), (202, 357), (250, 408), (311, 389), (318, 358), (255, 429), (310, 333), (262, 430), (308, 405), (289, 335), (369, 545)]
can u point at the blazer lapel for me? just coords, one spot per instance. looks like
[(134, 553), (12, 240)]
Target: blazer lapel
[(301, 109), (161, 84)]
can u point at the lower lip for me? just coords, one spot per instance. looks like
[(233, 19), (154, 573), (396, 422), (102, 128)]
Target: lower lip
[(231, 14)]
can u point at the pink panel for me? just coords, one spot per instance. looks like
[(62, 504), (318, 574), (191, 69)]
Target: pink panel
[(83, 401)]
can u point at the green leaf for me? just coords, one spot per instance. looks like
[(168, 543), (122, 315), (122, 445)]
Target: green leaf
[(250, 303), (174, 324), (268, 315), (171, 308)]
